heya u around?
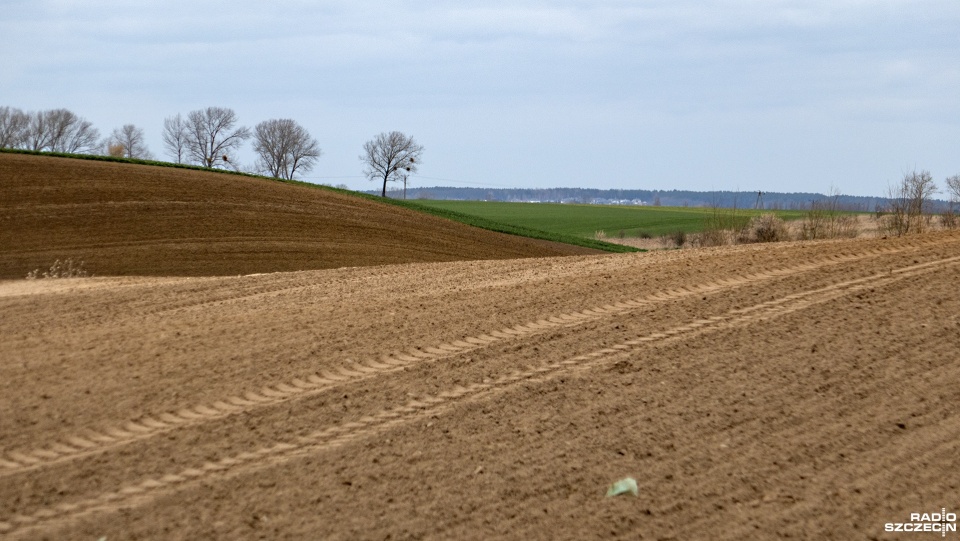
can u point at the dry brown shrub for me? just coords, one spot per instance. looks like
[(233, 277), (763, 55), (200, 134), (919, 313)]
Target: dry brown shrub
[(712, 237), (765, 228), (116, 150), (721, 226), (679, 238), (846, 226)]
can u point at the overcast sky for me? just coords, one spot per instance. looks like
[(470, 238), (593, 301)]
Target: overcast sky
[(776, 95)]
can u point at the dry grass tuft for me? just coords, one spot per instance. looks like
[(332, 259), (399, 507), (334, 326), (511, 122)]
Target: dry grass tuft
[(67, 268)]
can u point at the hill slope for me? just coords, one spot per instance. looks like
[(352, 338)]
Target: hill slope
[(124, 219)]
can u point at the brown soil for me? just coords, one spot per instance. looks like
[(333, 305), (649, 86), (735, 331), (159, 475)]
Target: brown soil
[(126, 220), (803, 391)]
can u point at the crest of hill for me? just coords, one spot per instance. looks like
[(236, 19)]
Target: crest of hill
[(128, 219)]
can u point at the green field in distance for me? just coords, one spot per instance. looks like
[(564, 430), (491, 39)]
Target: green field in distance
[(586, 220)]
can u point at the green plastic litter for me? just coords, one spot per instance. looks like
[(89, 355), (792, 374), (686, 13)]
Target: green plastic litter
[(623, 486)]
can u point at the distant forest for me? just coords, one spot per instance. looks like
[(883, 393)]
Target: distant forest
[(666, 198)]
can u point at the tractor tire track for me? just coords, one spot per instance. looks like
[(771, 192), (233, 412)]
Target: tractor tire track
[(90, 441)]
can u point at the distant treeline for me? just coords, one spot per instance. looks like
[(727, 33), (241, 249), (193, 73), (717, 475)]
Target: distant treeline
[(667, 198)]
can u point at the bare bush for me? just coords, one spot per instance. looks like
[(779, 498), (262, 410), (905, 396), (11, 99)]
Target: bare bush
[(721, 226), (948, 219), (67, 268), (712, 237), (679, 238), (600, 234), (845, 226), (826, 220), (910, 200), (814, 223), (765, 228)]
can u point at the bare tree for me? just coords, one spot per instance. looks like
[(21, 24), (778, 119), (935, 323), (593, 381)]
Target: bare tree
[(948, 218), (284, 147), (14, 124), (211, 138), (390, 157), (130, 141), (910, 203), (175, 137), (953, 187), (60, 130)]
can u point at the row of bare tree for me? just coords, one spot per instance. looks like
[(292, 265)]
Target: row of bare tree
[(208, 137), (56, 130)]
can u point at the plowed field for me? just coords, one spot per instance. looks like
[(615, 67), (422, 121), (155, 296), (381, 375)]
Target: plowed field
[(804, 391), (137, 220)]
